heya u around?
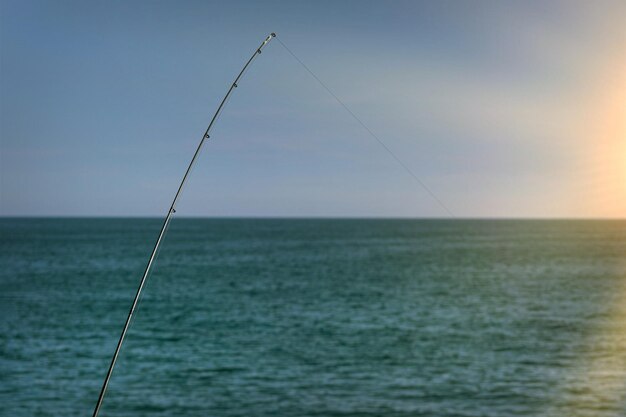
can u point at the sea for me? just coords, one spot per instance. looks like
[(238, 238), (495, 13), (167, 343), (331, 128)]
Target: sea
[(314, 317)]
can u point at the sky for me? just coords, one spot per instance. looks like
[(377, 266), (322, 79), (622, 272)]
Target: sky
[(503, 109)]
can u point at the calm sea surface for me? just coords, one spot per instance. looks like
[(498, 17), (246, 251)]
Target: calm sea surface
[(315, 318)]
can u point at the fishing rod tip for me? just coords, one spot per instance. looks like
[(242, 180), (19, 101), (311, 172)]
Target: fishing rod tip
[(273, 35)]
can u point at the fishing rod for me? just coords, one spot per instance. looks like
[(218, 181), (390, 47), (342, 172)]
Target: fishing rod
[(166, 222)]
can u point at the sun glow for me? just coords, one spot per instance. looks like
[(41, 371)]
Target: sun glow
[(598, 376), (606, 130)]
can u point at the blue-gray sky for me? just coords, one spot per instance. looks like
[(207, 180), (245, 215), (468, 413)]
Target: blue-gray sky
[(505, 109)]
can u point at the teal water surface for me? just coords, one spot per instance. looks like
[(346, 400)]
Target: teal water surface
[(246, 317)]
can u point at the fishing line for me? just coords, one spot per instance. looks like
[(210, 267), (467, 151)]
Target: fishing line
[(372, 134)]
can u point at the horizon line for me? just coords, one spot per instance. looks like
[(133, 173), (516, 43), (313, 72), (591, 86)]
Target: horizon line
[(253, 217)]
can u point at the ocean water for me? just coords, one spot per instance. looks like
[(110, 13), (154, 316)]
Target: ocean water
[(245, 317)]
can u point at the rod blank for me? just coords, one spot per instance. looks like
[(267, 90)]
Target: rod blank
[(166, 222)]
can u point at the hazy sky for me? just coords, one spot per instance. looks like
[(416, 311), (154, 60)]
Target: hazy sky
[(513, 109)]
